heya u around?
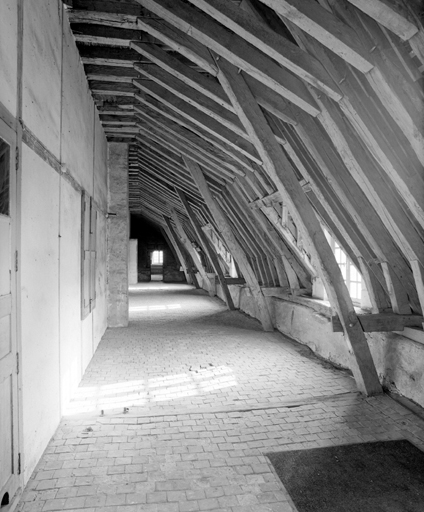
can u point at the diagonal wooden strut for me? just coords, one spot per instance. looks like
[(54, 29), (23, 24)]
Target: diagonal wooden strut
[(233, 245), (282, 173)]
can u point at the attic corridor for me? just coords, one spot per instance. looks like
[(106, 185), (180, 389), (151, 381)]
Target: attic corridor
[(194, 396)]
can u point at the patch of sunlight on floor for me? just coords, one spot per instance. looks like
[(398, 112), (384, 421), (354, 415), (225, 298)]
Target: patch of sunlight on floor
[(169, 380), (139, 393)]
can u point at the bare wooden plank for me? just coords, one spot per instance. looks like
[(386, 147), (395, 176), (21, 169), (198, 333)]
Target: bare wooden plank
[(109, 19), (233, 245), (108, 62), (99, 40)]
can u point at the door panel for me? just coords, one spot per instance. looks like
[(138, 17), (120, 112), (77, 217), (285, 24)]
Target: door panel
[(9, 433)]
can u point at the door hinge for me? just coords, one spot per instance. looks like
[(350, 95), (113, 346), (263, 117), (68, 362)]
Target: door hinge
[(17, 159), (16, 261), (17, 362), (19, 463)]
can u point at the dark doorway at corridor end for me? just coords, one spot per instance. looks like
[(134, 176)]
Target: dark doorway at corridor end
[(151, 244)]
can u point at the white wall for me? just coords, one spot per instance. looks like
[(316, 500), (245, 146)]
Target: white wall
[(57, 108), (40, 305)]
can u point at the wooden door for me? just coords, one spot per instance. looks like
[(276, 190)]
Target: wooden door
[(9, 452)]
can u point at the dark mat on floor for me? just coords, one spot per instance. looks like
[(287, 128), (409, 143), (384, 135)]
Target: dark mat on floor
[(370, 477)]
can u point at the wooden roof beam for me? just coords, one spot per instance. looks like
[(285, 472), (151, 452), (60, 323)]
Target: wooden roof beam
[(171, 177), (180, 42), (109, 19), (192, 96), (102, 41), (168, 158), (144, 164), (180, 149), (325, 27), (208, 86), (392, 15), (191, 139), (240, 53), (261, 36), (200, 119), (169, 114)]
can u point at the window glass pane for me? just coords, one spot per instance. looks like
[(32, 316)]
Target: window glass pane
[(354, 274), (355, 290), (4, 178), (157, 258)]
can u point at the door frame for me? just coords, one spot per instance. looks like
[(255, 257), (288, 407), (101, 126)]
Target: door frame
[(10, 132)]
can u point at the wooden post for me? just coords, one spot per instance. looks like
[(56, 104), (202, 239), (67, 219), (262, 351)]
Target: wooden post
[(235, 248), (208, 249), (282, 173)]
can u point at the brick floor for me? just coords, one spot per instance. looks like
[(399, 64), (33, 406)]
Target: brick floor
[(206, 395)]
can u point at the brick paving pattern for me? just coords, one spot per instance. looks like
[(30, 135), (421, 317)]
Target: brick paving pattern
[(206, 395)]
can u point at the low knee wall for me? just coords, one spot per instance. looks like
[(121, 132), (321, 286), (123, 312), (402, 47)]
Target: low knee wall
[(398, 358)]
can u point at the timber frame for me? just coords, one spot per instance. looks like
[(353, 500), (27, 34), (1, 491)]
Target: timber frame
[(259, 122)]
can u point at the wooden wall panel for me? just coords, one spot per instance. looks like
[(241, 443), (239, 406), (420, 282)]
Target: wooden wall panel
[(39, 306)]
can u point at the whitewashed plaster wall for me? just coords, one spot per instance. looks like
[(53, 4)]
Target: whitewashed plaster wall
[(57, 108)]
